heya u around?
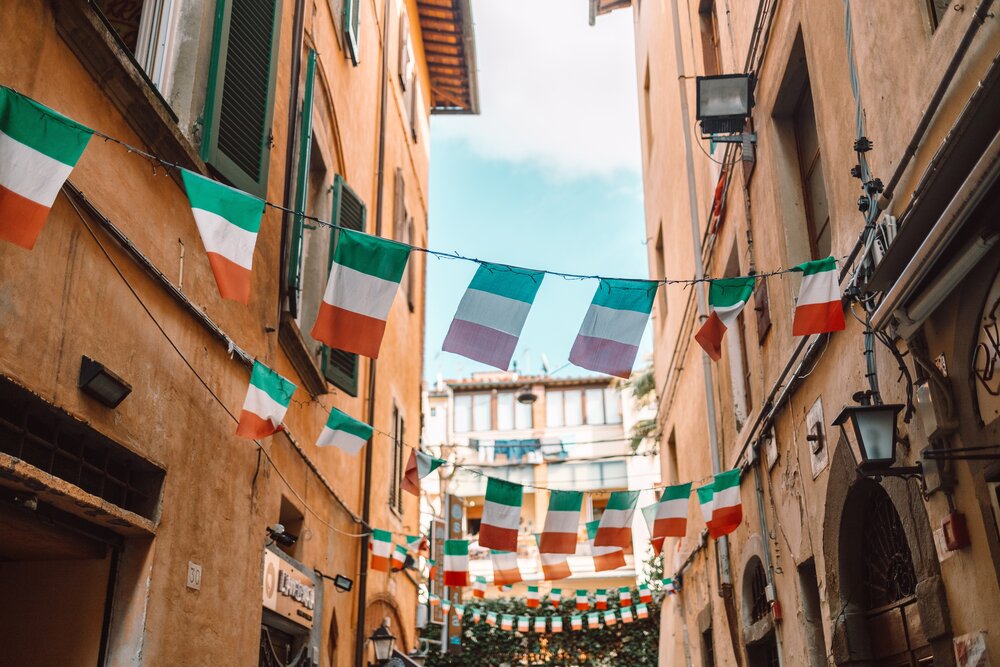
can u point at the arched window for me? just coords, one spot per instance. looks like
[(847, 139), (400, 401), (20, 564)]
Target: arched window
[(757, 589), (888, 566)]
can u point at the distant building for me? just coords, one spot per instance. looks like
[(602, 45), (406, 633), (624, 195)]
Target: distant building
[(561, 433)]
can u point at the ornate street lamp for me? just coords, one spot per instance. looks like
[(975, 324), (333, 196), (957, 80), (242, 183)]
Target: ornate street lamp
[(874, 430), (384, 642)]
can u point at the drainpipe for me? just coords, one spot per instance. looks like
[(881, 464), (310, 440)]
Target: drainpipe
[(722, 544), (359, 637)]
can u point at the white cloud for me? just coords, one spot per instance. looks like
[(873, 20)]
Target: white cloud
[(553, 90)]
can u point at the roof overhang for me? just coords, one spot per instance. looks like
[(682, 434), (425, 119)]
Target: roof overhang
[(450, 50)]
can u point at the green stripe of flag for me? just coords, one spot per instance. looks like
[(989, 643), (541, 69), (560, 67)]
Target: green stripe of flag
[(565, 501), (339, 421), (508, 281), (677, 492), (817, 266), (372, 255), (649, 514), (725, 292), (456, 547), (379, 535), (623, 500), (637, 295), (705, 494), (43, 129), (624, 589), (532, 589), (502, 492), (236, 206), (275, 386), (592, 529), (728, 479)]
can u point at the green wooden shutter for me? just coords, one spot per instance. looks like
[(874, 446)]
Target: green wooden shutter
[(352, 25), (340, 367), (239, 103), (301, 188)]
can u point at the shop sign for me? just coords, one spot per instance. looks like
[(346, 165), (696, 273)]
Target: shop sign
[(287, 590)]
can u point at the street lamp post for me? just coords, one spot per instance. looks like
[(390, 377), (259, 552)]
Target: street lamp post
[(383, 641)]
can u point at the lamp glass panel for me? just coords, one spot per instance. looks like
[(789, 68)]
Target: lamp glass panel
[(105, 387), (383, 647), (876, 429), (724, 97)]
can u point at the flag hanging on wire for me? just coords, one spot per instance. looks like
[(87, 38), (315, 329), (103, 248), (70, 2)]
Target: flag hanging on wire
[(627, 614), (416, 543), (818, 309), (727, 508), (501, 515), (576, 622), (557, 623), (228, 221), (727, 297), (610, 618), (433, 600), (522, 623), (540, 625), (649, 514), (491, 618), (364, 279), (534, 598), (625, 596), (505, 569), (605, 558), (38, 149), (554, 566), (562, 521), (705, 497), (615, 527), (398, 557), (593, 620), (672, 511), (477, 615), (582, 600), (492, 313), (612, 328), (344, 432), (456, 562), (507, 622), (418, 466), (555, 596), (380, 545), (602, 599), (642, 611), (266, 403), (445, 605), (479, 587), (645, 595)]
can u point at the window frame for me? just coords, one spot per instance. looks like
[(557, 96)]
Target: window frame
[(352, 30), (813, 230), (396, 481)]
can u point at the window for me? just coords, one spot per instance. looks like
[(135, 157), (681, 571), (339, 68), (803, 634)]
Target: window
[(648, 109), (239, 105), (463, 414), (590, 475), (736, 348), (573, 407), (352, 25), (811, 171), (612, 406), (398, 435), (522, 416), (292, 520), (709, 24), (473, 412), (660, 272), (146, 29), (595, 405), (403, 232), (554, 408), (936, 9), (505, 411), (707, 648)]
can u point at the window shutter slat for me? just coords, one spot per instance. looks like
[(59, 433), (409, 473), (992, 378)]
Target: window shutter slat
[(301, 186)]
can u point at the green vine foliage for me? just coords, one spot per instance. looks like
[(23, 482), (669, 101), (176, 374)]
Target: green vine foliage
[(633, 644)]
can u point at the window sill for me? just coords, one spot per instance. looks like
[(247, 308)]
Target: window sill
[(127, 87), (297, 350)]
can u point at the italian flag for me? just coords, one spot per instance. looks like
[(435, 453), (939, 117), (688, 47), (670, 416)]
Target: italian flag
[(627, 614), (605, 558), (602, 599), (507, 622), (556, 624), (380, 546), (554, 566), (562, 521), (492, 313), (456, 562), (415, 544), (555, 596), (506, 588), (576, 622), (727, 508), (491, 618), (398, 557), (540, 625), (460, 610), (818, 309), (445, 605), (479, 587), (418, 466), (593, 620), (642, 611), (38, 149), (433, 600), (726, 297), (523, 623), (344, 432), (228, 221), (582, 600), (432, 568), (477, 615), (645, 595), (625, 595), (615, 528), (267, 401), (668, 585), (649, 514), (610, 618), (672, 512), (501, 515), (533, 597), (364, 279), (505, 570), (612, 328)]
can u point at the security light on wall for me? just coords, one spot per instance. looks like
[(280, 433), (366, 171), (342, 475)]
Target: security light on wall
[(724, 102), (101, 384)]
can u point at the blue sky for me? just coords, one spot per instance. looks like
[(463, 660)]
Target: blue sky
[(548, 176)]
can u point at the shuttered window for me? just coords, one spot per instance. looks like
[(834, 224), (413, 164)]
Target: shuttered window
[(301, 187), (239, 104), (352, 28), (340, 367)]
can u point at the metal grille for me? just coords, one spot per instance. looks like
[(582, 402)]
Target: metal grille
[(889, 574), (54, 442), (243, 114), (759, 606)]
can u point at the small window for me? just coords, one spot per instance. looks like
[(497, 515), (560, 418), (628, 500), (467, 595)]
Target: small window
[(612, 405), (554, 408), (936, 10), (352, 29), (146, 29), (395, 482), (709, 24), (293, 521), (505, 411), (573, 404), (708, 648), (236, 138), (522, 416), (648, 111), (463, 413), (595, 405), (661, 272), (811, 172), (482, 417)]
